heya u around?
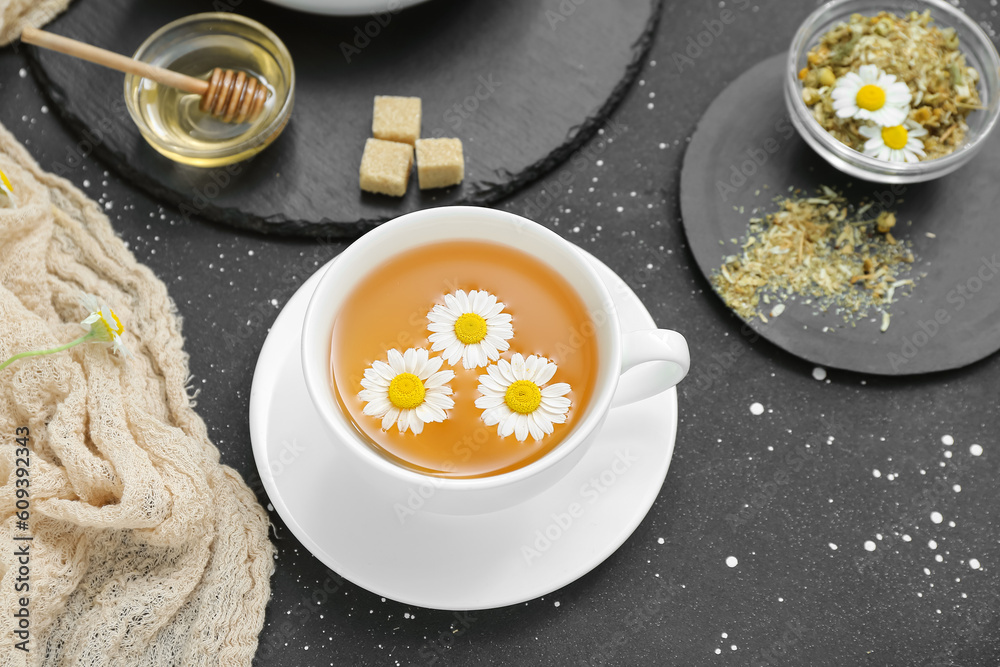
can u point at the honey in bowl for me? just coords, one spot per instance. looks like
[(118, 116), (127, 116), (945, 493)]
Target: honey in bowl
[(546, 331), (171, 120)]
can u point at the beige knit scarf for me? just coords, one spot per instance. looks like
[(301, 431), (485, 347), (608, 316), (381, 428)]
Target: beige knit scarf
[(143, 549)]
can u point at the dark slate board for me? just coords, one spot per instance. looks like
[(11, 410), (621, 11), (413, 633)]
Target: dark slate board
[(962, 286), (561, 68)]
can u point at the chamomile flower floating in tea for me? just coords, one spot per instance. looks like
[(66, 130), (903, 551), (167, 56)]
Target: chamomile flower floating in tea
[(102, 326), (900, 143), (471, 327), (409, 390), (515, 399), (871, 94)]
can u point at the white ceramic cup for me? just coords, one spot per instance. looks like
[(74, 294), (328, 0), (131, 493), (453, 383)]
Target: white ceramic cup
[(616, 353)]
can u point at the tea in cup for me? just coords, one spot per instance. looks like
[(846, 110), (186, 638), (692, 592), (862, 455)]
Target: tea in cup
[(471, 350)]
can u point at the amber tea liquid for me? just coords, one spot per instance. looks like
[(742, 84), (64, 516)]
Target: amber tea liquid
[(389, 310)]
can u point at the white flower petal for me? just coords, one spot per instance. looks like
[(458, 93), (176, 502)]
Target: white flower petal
[(438, 379), (533, 429), (554, 417), (441, 340), (377, 407), (844, 92), (453, 352), (403, 421), (385, 370), (480, 302), (556, 403), (528, 373), (440, 400), (507, 425), (506, 374), (428, 366), (553, 390), (521, 428), (416, 424), (498, 341), (389, 418), (484, 402), (427, 412), (369, 395), (378, 384), (494, 416), (545, 373), (442, 315), (543, 423), (848, 111), (517, 366), (489, 383), (463, 301), (396, 362), (494, 372), (452, 304), (898, 97)]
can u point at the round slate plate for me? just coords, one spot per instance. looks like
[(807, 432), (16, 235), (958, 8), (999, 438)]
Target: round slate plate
[(952, 317), (521, 82)]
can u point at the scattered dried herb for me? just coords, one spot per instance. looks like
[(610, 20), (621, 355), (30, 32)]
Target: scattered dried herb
[(821, 249)]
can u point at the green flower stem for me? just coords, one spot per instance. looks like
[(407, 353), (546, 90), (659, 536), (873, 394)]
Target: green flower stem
[(34, 353)]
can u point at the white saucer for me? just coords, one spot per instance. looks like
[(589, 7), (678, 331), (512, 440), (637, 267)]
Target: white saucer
[(346, 7), (453, 562)]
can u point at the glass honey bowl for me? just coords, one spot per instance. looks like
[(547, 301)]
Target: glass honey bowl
[(171, 120)]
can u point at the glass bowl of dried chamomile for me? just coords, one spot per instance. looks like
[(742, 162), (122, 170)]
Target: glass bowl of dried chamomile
[(899, 91)]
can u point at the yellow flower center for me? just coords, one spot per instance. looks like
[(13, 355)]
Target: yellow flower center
[(470, 328), (117, 327), (406, 391), (3, 177), (895, 137), (523, 396), (871, 97)]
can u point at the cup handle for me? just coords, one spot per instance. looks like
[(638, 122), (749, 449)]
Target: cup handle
[(666, 348)]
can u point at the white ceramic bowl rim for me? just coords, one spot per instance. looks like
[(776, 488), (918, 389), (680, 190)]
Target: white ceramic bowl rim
[(943, 164), (317, 337)]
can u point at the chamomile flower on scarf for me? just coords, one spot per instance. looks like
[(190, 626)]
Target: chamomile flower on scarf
[(516, 398), (7, 188), (471, 327), (899, 143), (871, 94), (408, 391), (103, 325)]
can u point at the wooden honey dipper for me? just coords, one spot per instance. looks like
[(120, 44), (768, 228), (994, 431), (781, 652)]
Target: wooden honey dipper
[(228, 95)]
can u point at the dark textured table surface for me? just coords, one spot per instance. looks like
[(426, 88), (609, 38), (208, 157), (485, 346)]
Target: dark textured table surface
[(852, 522)]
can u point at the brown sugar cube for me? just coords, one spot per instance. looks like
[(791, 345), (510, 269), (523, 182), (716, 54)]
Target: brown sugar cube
[(385, 167), (396, 119), (440, 162)]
